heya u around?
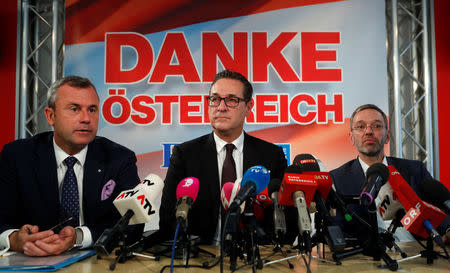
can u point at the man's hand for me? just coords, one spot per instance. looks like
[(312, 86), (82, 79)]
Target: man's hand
[(446, 238), (52, 245), (28, 233)]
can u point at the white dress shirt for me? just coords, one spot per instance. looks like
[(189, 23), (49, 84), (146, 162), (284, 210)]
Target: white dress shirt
[(61, 169), (238, 156), (401, 233)]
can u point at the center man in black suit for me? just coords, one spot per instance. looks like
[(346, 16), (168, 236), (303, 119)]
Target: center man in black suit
[(229, 104), (70, 172)]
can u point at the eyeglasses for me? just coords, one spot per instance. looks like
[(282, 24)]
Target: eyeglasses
[(363, 127), (232, 101)]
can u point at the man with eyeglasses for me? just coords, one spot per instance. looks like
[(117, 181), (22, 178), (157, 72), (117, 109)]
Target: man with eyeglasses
[(369, 132), (216, 158)]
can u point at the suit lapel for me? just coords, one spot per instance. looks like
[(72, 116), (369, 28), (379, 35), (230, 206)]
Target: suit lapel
[(359, 176), (45, 172), (94, 171), (210, 162), (250, 158)]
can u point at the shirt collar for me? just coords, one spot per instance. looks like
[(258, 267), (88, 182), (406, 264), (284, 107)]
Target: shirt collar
[(365, 166), (238, 142), (60, 155)]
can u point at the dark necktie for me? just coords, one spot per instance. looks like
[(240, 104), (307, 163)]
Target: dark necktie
[(69, 194), (229, 167)]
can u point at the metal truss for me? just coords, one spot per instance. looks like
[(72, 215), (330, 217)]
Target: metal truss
[(41, 60), (410, 81)]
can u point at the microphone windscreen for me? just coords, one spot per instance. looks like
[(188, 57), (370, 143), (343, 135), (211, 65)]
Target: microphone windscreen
[(274, 186), (153, 186), (259, 175), (406, 195), (378, 169), (434, 192), (389, 203), (137, 201), (226, 194), (307, 163), (293, 169), (189, 186)]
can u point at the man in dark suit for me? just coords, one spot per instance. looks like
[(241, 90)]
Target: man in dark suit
[(369, 133), (204, 157), (66, 173)]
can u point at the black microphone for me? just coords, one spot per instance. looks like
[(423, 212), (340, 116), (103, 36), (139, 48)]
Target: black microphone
[(376, 176), (434, 192), (279, 220)]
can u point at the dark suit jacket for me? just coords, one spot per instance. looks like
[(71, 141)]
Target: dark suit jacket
[(29, 186), (198, 158), (349, 180)]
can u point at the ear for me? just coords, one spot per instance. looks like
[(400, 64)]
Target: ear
[(248, 107), (352, 140), (388, 136), (50, 115)]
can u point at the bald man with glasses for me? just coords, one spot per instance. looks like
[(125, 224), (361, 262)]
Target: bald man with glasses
[(369, 132)]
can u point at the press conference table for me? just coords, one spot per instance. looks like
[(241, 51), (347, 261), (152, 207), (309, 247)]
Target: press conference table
[(356, 263)]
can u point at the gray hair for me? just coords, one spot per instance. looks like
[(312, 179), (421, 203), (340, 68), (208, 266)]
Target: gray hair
[(74, 81)]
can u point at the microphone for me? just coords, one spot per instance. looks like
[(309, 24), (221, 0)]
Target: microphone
[(263, 197), (390, 208), (389, 204), (254, 181), (279, 220), (187, 191), (297, 190), (434, 192), (332, 233), (376, 176), (421, 217), (227, 195), (136, 207)]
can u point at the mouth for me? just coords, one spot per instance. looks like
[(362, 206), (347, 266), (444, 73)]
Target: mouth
[(370, 141), (83, 131)]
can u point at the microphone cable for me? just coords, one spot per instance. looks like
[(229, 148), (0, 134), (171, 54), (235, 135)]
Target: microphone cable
[(174, 246)]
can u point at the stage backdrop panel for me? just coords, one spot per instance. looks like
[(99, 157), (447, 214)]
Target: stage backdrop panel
[(311, 63)]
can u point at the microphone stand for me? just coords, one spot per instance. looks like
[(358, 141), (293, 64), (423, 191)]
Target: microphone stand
[(380, 247), (387, 236), (252, 231), (118, 233)]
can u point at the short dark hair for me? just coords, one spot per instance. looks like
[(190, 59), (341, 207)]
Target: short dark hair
[(229, 74), (74, 81), (369, 106)]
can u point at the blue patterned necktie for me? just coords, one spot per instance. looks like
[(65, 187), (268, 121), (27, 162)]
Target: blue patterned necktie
[(69, 194)]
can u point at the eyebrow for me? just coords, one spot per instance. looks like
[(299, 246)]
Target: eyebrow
[(78, 105)]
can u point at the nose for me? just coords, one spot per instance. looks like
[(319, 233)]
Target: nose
[(84, 116), (222, 106), (366, 130)]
